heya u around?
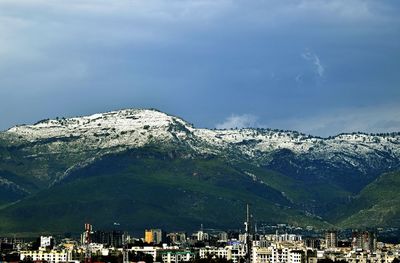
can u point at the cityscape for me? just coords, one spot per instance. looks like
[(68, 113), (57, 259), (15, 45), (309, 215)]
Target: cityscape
[(255, 244), (199, 131)]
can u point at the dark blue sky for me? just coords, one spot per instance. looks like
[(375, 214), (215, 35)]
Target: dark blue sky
[(320, 67)]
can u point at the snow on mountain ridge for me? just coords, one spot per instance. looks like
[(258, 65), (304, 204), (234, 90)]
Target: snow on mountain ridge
[(123, 120), (130, 128), (136, 128)]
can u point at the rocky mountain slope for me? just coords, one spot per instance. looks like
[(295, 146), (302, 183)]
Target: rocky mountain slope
[(315, 175)]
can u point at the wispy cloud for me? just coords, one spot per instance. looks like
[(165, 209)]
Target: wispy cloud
[(314, 59), (238, 121)]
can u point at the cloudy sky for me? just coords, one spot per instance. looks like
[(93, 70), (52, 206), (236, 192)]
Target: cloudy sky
[(320, 67)]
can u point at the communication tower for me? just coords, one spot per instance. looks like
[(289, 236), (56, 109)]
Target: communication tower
[(88, 253), (125, 252), (248, 231)]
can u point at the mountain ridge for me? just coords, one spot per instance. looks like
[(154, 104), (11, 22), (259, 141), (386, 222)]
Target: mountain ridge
[(207, 128), (161, 126), (43, 155)]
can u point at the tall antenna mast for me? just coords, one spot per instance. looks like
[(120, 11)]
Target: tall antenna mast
[(248, 217), (125, 253), (247, 222), (248, 233), (88, 254)]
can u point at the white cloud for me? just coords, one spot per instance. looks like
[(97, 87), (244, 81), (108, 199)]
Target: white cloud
[(238, 121), (314, 59)]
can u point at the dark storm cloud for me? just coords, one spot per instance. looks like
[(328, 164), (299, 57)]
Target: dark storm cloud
[(285, 64)]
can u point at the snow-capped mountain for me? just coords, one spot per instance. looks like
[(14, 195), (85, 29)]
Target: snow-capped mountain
[(126, 157), (130, 128)]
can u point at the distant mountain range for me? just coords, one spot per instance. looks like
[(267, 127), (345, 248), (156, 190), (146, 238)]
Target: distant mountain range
[(144, 168)]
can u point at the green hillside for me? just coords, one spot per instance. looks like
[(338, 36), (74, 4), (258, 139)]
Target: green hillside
[(146, 188), (315, 195), (377, 205), (144, 168)]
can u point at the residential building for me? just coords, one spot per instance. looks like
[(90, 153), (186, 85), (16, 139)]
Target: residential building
[(175, 255), (149, 250), (176, 238), (233, 252), (364, 240), (46, 242), (52, 256), (331, 239), (153, 236)]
